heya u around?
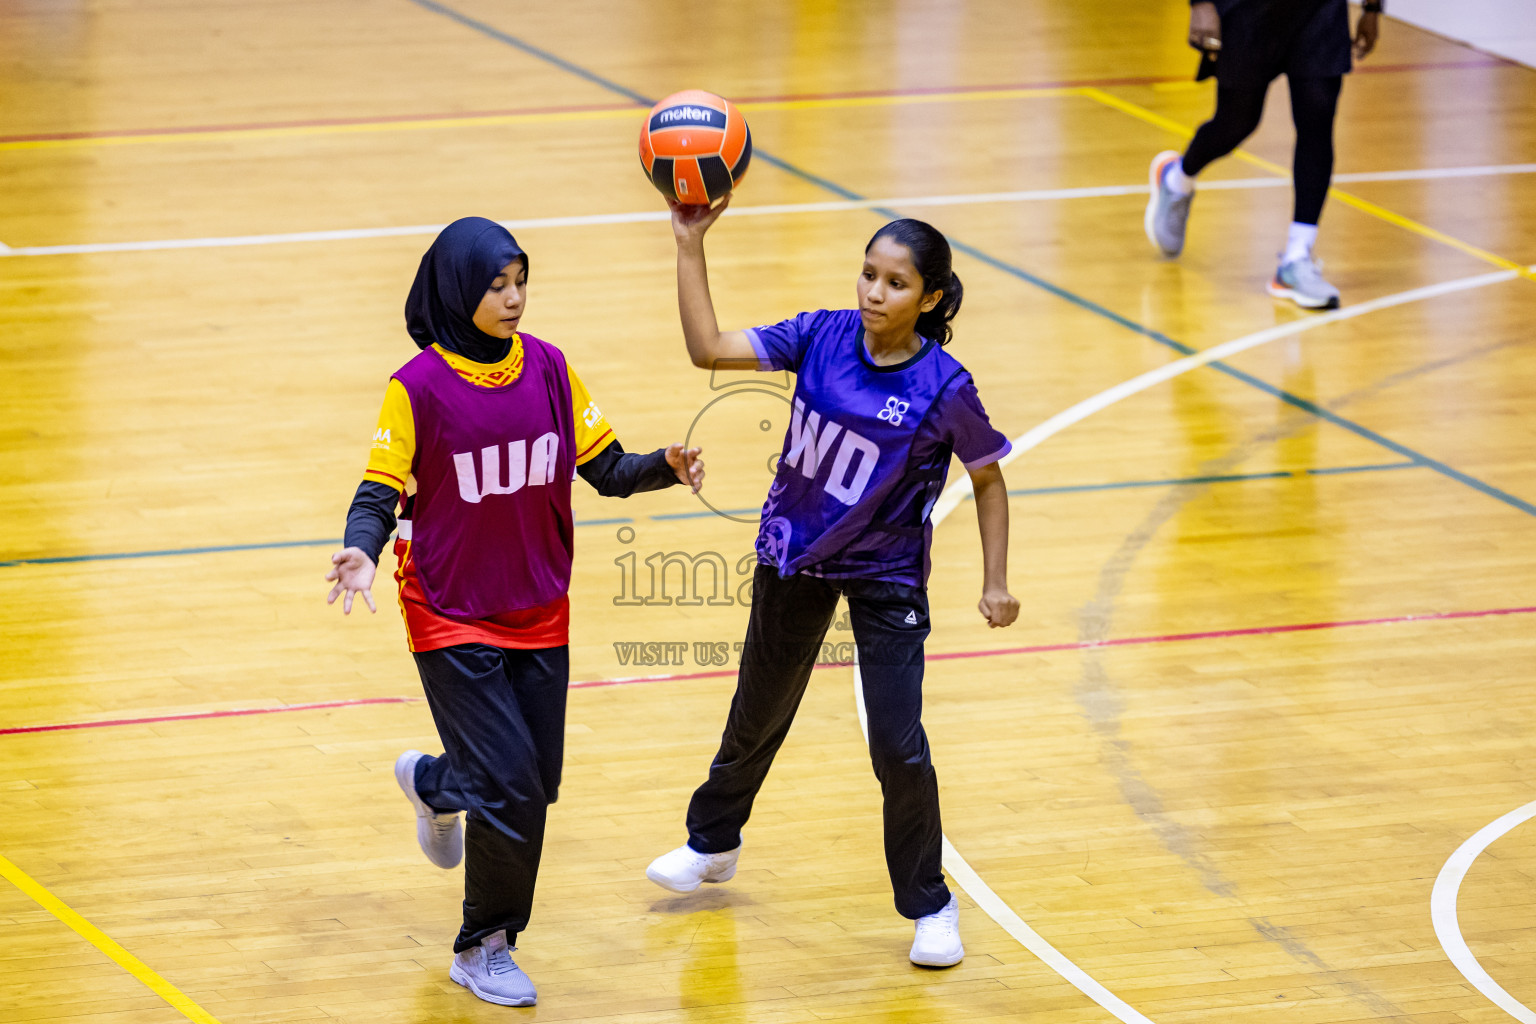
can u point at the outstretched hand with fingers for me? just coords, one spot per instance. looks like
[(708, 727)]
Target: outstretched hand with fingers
[(685, 462), (352, 571)]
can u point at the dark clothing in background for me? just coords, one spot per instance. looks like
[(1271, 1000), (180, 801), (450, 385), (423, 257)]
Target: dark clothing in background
[(1263, 39)]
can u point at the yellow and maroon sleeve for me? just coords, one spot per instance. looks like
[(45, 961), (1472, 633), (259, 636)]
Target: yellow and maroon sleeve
[(593, 433), (394, 441)]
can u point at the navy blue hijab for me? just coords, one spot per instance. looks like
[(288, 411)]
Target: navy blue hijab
[(453, 277)]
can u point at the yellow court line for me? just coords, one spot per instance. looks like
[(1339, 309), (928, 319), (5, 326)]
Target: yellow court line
[(840, 102), (1347, 198), (491, 120), (96, 937), (291, 131)]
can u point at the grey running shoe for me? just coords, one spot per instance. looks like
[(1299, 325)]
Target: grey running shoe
[(440, 835), (1167, 211), (487, 970), (1302, 282)]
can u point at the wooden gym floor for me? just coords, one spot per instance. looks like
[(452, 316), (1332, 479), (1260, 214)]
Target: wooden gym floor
[(1274, 665)]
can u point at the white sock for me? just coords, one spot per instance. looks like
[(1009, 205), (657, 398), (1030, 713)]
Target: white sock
[(1175, 178), (1299, 242)]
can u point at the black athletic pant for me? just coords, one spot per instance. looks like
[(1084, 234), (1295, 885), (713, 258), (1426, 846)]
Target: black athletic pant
[(501, 716), (789, 619), (1313, 103)]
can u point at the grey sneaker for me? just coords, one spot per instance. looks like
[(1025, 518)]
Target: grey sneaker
[(1302, 282), (487, 970), (1167, 211), (440, 836)]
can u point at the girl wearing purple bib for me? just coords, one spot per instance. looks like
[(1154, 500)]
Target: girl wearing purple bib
[(879, 408), (490, 426)]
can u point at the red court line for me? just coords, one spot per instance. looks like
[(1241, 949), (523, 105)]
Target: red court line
[(233, 713), (1078, 645), (341, 122), (1130, 641)]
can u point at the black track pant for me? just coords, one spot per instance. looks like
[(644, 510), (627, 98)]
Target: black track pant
[(789, 619), (1313, 103), (501, 716)]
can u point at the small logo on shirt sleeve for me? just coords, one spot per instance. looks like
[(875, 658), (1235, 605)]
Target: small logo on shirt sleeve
[(591, 415)]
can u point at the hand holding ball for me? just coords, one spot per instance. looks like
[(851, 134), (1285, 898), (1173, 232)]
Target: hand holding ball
[(695, 147)]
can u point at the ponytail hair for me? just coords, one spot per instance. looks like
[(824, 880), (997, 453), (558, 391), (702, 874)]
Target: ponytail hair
[(931, 256)]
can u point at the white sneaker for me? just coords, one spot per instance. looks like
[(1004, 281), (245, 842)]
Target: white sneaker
[(685, 869), (936, 942), (487, 970), (440, 835)]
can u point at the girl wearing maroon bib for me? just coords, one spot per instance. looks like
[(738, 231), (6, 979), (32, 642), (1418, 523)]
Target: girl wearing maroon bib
[(490, 426)]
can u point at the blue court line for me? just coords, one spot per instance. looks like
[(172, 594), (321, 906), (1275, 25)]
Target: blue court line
[(1008, 268), (666, 516)]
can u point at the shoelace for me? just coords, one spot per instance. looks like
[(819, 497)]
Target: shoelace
[(499, 961), (442, 824), (1309, 272), (941, 927), (941, 923)]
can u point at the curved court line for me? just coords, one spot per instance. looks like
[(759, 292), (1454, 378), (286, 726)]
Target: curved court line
[(954, 863), (1442, 911), (993, 906), (961, 489)]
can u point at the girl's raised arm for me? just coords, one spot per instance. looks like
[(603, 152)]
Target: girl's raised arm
[(708, 346)]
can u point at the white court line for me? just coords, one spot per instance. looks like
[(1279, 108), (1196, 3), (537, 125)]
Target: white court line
[(769, 210), (1432, 173), (961, 489), (982, 895), (1442, 911), (956, 865)]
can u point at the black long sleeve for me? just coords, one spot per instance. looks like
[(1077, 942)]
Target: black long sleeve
[(371, 519), (615, 473)]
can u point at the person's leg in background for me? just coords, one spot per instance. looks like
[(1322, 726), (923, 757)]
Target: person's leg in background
[(1314, 103), (1238, 111)]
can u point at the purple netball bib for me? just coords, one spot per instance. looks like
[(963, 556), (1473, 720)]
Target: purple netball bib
[(492, 530), (867, 450)]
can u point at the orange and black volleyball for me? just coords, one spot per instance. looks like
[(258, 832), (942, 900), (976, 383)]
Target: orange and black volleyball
[(695, 147)]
